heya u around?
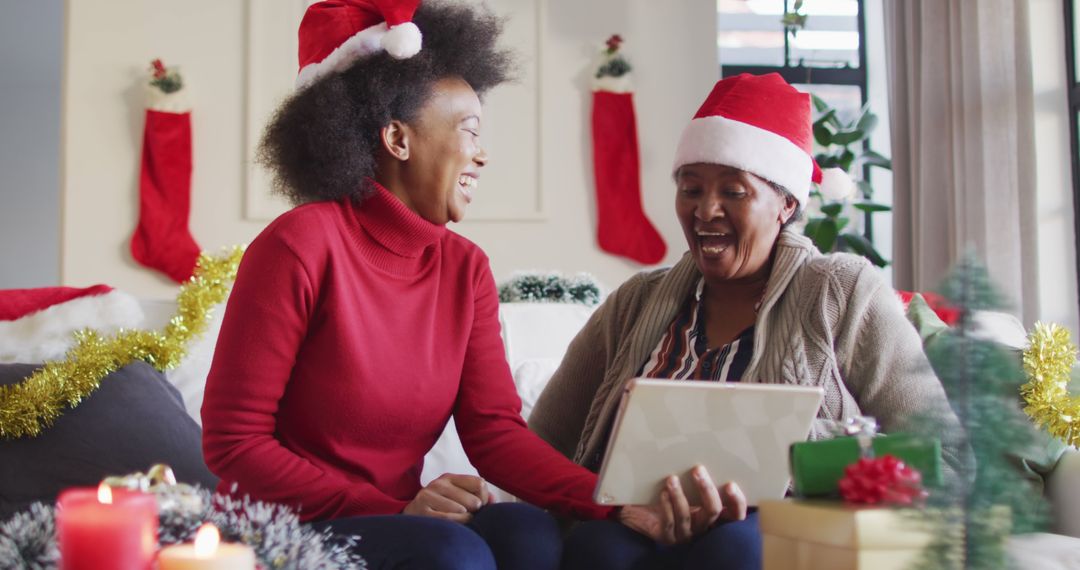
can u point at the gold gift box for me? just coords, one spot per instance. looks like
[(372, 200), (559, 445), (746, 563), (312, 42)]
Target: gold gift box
[(820, 535)]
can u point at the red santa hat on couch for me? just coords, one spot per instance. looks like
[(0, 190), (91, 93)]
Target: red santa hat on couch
[(37, 324), (336, 33), (760, 124)]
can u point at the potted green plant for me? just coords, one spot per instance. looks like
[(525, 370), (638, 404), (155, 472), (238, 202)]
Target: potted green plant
[(840, 145)]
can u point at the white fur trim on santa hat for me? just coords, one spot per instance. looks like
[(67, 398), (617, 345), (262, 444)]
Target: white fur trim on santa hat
[(403, 41), (47, 334), (719, 140), (362, 44), (621, 84), (836, 184)]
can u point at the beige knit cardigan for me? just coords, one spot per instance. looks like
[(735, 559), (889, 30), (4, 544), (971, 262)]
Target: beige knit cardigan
[(825, 320)]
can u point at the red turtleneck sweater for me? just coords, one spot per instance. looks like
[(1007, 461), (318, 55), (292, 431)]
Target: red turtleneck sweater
[(351, 336)]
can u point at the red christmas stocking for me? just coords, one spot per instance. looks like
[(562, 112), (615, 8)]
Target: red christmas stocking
[(623, 228), (162, 240)]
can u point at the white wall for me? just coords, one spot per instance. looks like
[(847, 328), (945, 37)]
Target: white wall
[(672, 46), (109, 46), (110, 43), (1057, 241), (31, 36)]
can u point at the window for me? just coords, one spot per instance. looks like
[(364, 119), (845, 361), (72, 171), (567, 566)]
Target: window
[(828, 50), (825, 56), (1072, 61)]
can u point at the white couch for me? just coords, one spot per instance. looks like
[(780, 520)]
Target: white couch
[(536, 336)]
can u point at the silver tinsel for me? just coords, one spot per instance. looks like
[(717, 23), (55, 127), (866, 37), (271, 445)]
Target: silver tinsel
[(280, 541), (277, 536), (28, 540)]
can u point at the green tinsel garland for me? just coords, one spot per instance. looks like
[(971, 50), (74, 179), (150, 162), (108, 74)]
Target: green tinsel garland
[(550, 288), (280, 541)]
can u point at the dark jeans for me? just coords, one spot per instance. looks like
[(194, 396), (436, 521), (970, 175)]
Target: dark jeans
[(608, 545), (509, 536)]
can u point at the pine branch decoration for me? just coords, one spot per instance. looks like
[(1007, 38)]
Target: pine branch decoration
[(550, 288), (615, 65)]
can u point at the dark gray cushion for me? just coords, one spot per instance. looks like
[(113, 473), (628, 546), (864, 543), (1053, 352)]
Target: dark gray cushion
[(134, 420)]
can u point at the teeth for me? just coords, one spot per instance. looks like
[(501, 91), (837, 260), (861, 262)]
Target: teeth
[(706, 234), (713, 250), (467, 181)]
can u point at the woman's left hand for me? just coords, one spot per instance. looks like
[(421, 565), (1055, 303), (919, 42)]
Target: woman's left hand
[(674, 521)]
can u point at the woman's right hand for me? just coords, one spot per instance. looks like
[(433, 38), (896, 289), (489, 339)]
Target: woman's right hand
[(674, 521), (452, 497)]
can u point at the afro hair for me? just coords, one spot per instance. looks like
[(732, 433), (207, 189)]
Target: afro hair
[(321, 142)]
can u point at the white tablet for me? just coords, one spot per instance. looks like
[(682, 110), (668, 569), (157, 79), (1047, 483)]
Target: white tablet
[(739, 432)]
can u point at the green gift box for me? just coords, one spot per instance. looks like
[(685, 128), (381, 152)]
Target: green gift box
[(818, 466)]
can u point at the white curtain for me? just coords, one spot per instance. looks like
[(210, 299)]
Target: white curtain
[(960, 94)]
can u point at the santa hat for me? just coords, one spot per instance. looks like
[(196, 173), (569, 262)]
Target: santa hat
[(336, 33), (37, 324), (760, 124)]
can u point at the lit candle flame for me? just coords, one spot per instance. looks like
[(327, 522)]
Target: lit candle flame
[(206, 541), (104, 494)]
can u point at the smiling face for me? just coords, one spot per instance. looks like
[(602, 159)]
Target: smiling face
[(730, 218), (439, 153)]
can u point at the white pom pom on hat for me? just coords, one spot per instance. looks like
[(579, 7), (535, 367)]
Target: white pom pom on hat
[(402, 41), (336, 33), (836, 184)]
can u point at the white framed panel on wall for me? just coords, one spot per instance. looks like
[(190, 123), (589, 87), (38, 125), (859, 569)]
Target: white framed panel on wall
[(510, 185), (271, 72)]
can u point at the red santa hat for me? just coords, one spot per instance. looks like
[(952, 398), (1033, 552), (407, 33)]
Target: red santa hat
[(760, 124), (37, 324), (336, 33)]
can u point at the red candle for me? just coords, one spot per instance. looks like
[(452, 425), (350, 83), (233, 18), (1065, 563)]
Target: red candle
[(105, 528)]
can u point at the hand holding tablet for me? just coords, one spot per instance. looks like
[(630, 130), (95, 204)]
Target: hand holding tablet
[(674, 521), (739, 432)]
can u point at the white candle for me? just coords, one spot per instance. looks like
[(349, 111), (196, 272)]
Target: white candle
[(207, 553)]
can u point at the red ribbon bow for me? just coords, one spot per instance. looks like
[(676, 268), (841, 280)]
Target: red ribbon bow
[(883, 479)]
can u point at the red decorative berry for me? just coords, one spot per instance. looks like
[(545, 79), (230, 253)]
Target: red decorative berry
[(884, 479), (158, 68), (614, 42)]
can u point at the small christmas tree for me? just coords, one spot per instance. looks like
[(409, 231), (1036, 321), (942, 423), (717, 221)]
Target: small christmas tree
[(990, 498)]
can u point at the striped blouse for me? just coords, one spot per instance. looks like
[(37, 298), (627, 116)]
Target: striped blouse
[(683, 352)]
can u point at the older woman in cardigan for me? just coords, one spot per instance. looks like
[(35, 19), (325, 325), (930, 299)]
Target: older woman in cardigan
[(751, 301)]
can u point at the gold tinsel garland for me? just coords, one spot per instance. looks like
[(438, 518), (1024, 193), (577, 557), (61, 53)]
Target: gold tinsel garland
[(34, 404), (1048, 361)]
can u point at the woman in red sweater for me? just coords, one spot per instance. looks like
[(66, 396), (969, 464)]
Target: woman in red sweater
[(359, 324)]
